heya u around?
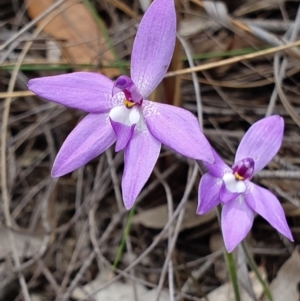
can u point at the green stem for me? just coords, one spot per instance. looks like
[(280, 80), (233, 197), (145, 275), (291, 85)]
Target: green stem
[(230, 265), (125, 235), (232, 274), (254, 268)]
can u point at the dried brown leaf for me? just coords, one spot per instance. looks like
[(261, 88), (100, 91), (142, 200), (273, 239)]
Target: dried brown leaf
[(284, 286), (157, 218), (78, 31)]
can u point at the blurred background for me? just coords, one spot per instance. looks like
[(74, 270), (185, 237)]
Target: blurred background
[(71, 238)]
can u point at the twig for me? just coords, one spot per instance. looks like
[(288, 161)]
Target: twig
[(234, 59), (280, 73), (158, 237), (279, 174), (32, 23), (170, 263), (125, 238), (195, 80)]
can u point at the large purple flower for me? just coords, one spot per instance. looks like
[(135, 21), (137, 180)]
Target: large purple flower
[(232, 187), (119, 112)]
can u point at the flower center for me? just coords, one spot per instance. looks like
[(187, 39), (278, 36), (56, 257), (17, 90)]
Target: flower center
[(232, 184), (132, 95), (128, 104), (243, 169)]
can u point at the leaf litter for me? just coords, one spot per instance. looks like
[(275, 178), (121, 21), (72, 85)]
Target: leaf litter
[(65, 232)]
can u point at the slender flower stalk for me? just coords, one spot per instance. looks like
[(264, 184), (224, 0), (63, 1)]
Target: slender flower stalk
[(120, 112), (232, 187), (254, 268), (231, 266)]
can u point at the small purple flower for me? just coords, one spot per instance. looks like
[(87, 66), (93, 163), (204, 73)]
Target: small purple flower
[(232, 187), (120, 112)]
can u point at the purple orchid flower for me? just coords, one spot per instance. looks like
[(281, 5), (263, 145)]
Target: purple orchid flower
[(232, 187), (120, 112)]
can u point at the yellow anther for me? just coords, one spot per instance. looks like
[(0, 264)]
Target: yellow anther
[(128, 104), (238, 177)]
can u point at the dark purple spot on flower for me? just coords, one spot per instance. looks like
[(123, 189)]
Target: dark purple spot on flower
[(243, 169), (131, 92)]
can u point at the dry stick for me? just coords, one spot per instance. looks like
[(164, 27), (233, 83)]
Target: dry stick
[(194, 78), (110, 228), (113, 223), (173, 239), (284, 100), (279, 174), (166, 187), (15, 94), (126, 275), (176, 232), (218, 12), (209, 258), (158, 237), (124, 7), (58, 230), (32, 23), (70, 267), (78, 196), (5, 194), (170, 264), (118, 195), (172, 244), (46, 226), (295, 28), (234, 59), (145, 192)]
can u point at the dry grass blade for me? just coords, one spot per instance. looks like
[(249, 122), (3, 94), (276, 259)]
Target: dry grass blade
[(68, 231), (235, 59)]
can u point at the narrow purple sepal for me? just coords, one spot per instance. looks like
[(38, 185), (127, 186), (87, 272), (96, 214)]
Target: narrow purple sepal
[(236, 222), (87, 91), (261, 142), (153, 46), (178, 129), (208, 193), (92, 136), (123, 133), (140, 157), (268, 206)]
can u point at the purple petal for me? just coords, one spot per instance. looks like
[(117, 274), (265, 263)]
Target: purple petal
[(208, 193), (261, 142), (268, 206), (92, 136), (140, 157), (178, 129), (153, 46), (123, 133), (236, 221), (219, 168), (87, 91)]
